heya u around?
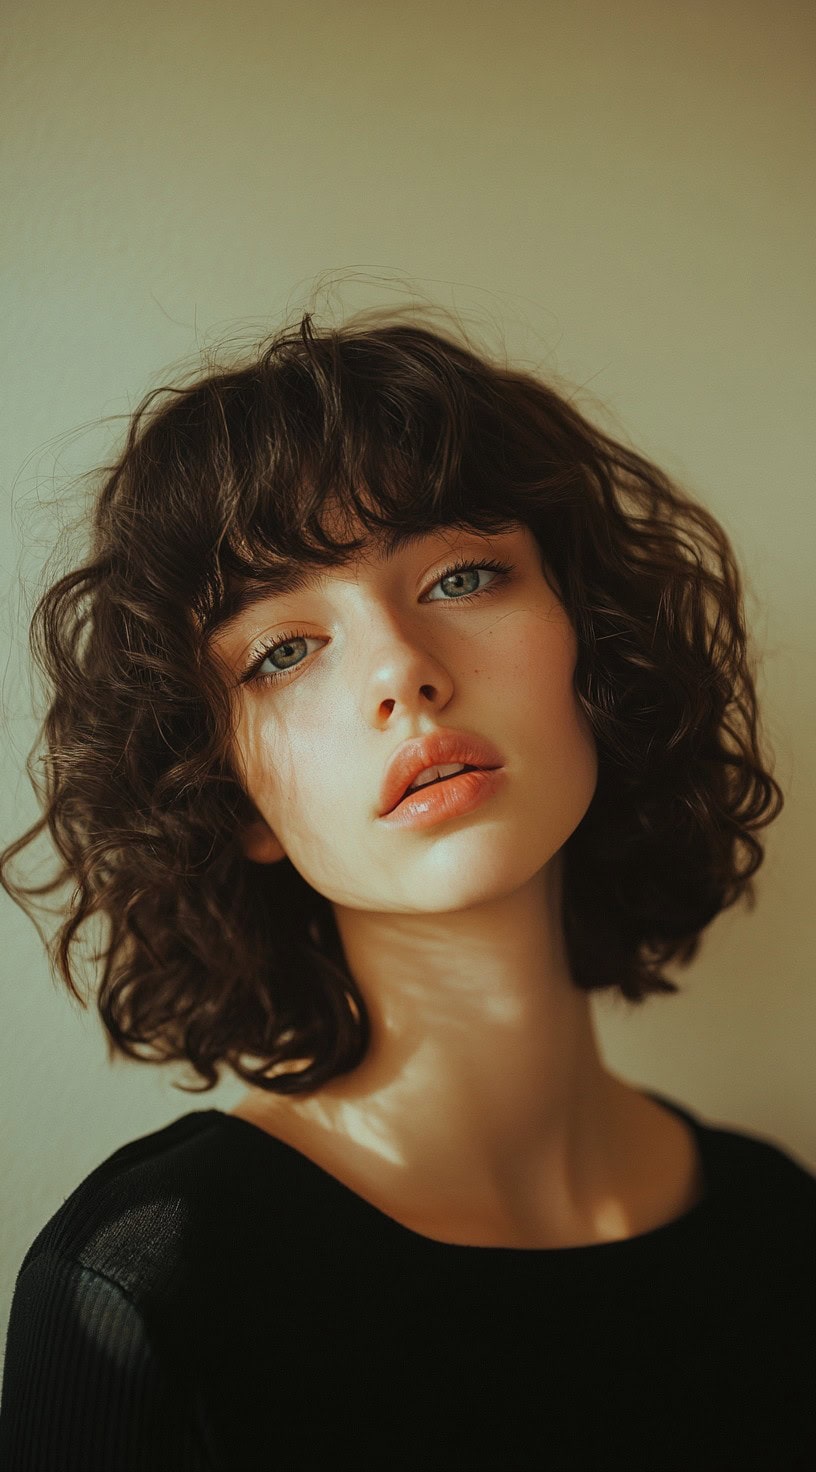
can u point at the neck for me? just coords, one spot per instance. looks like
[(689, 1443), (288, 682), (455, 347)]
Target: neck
[(483, 1107)]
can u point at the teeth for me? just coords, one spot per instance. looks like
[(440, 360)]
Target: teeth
[(432, 774)]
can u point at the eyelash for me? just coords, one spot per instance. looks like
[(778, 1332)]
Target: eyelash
[(257, 657)]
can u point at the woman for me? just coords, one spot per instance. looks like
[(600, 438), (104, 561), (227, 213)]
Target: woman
[(436, 1230)]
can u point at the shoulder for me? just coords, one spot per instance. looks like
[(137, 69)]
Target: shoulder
[(766, 1161), (90, 1368), (766, 1196), (749, 1168), (128, 1221)]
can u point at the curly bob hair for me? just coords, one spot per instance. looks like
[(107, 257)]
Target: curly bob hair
[(228, 478)]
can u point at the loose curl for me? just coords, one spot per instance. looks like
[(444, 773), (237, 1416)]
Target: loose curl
[(399, 427)]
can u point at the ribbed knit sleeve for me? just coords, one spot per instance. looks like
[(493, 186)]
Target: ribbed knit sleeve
[(82, 1388)]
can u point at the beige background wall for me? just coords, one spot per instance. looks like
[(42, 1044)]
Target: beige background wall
[(617, 193)]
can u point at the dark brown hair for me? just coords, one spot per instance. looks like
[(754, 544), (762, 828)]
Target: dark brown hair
[(400, 427)]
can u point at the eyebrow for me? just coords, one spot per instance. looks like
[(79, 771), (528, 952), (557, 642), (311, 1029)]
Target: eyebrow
[(294, 577)]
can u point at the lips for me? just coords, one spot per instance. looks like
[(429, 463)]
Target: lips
[(441, 748)]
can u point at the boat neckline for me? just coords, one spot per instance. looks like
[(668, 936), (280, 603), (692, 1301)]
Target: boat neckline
[(654, 1235)]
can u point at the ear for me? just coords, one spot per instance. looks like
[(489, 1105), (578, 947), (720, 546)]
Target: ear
[(259, 843)]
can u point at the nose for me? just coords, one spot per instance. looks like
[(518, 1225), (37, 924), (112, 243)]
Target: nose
[(406, 676)]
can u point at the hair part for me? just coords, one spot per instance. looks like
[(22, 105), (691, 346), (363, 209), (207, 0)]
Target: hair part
[(386, 428)]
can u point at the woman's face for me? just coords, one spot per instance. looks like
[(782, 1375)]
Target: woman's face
[(385, 651)]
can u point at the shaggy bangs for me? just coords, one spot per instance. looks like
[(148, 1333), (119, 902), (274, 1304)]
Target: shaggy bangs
[(326, 446), (333, 436)]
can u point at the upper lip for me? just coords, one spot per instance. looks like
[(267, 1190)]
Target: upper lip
[(441, 748)]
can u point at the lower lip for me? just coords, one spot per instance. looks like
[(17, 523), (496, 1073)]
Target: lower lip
[(452, 798)]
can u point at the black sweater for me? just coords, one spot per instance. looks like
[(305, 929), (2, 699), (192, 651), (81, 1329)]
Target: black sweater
[(209, 1298)]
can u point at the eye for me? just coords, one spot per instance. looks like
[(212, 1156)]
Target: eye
[(460, 568), (287, 643)]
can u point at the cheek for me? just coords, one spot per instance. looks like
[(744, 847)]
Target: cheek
[(536, 653), (296, 785), (554, 720), (268, 764)]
